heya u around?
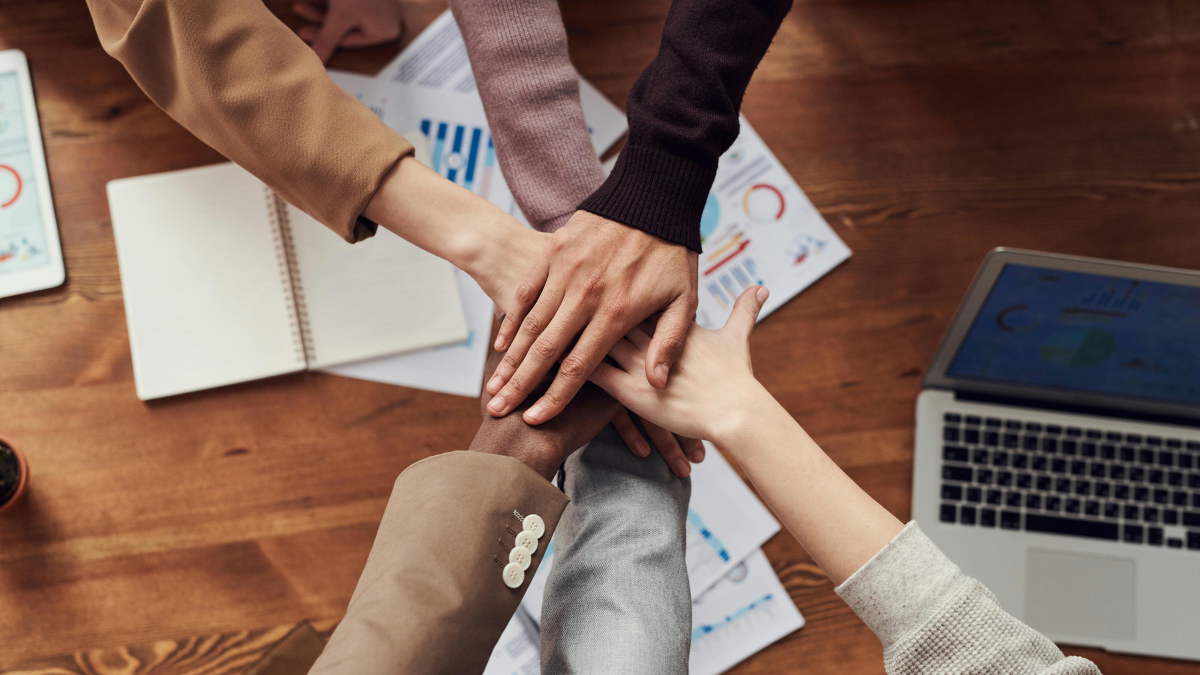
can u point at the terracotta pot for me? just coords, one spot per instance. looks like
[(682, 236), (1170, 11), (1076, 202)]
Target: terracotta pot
[(22, 474)]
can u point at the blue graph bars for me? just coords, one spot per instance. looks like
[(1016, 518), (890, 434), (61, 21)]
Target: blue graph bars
[(450, 162)]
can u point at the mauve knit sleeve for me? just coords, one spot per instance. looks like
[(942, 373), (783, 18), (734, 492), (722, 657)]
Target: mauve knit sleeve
[(683, 113), (530, 91)]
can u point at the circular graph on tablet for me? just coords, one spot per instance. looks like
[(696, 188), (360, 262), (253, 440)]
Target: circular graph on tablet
[(10, 186)]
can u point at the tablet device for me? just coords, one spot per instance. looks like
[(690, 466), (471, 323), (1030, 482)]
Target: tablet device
[(30, 254)]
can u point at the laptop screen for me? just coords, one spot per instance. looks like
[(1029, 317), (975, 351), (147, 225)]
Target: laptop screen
[(1086, 332)]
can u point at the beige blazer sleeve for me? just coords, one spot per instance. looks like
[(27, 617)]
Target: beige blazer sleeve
[(431, 598), (242, 82)]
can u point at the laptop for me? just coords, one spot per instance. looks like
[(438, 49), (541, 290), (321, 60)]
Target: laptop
[(1058, 448)]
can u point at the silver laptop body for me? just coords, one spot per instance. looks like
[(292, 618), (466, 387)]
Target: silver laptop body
[(1058, 448)]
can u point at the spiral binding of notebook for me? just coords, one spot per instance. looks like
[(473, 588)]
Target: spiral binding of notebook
[(293, 286)]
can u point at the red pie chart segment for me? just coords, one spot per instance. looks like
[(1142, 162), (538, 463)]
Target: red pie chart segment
[(16, 193)]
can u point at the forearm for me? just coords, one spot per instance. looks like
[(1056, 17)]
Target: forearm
[(457, 225), (530, 90), (242, 82), (683, 114), (838, 523)]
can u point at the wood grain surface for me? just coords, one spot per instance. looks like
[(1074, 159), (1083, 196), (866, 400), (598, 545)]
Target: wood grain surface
[(926, 132)]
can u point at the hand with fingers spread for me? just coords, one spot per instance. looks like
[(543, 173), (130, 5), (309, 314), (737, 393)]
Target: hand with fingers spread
[(712, 386), (596, 279), (348, 23)]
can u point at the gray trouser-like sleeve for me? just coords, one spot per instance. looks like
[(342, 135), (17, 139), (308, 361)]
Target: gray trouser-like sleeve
[(618, 600)]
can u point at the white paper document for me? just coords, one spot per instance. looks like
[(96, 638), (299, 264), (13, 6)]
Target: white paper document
[(517, 651), (726, 522), (747, 611), (758, 227)]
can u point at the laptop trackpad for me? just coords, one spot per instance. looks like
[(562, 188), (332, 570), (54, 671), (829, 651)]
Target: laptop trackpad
[(1079, 595)]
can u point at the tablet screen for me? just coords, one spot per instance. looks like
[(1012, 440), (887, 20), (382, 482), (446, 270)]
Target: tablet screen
[(23, 243), (1087, 332)]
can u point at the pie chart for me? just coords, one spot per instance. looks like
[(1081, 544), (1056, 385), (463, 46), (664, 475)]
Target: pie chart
[(1078, 347), (10, 186)]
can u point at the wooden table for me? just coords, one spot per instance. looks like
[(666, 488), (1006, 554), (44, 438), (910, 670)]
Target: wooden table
[(925, 132)]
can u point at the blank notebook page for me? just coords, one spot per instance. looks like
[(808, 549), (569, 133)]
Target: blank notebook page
[(206, 296), (377, 297)]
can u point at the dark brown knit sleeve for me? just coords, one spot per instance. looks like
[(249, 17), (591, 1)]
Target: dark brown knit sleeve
[(683, 113)]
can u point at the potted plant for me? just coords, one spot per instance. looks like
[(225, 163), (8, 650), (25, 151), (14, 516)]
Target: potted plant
[(14, 474)]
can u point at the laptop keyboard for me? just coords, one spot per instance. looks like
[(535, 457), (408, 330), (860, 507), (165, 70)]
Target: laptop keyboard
[(1018, 475)]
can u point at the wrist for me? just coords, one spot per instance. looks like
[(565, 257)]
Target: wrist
[(754, 409)]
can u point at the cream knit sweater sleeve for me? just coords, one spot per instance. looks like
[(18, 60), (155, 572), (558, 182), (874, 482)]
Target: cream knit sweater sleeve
[(932, 619)]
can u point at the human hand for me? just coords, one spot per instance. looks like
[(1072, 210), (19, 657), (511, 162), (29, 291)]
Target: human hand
[(544, 447), (712, 389), (679, 452), (600, 278), (348, 23)]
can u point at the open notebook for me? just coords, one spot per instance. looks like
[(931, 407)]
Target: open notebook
[(224, 282)]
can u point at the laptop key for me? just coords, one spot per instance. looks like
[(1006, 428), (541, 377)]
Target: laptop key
[(974, 495), (966, 515), (1091, 508), (1112, 510), (954, 453), (987, 517), (1043, 483), (1083, 488), (953, 418), (1053, 503), (1039, 463), (1191, 518), (1132, 534), (1179, 498), (950, 434), (1076, 527), (1078, 468), (1000, 458), (974, 420), (1029, 442), (1184, 461), (1004, 478), (983, 476), (1116, 472), (980, 456), (954, 492), (1033, 501), (1073, 506), (1141, 494), (1155, 476), (991, 438), (1010, 520), (1098, 470), (1166, 458), (1025, 481), (1058, 465), (1088, 450), (1137, 474), (1102, 489), (1011, 440), (1054, 429), (1050, 445), (1146, 456), (1150, 514), (1175, 542), (1121, 492), (1170, 517), (1069, 447), (971, 436), (1193, 540), (1013, 499), (959, 473), (1020, 460), (1194, 480), (1062, 485), (949, 513), (1154, 536), (1131, 512), (994, 497), (1175, 479), (1108, 451)]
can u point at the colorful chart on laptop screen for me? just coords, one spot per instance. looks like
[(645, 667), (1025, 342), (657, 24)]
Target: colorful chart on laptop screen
[(1087, 332)]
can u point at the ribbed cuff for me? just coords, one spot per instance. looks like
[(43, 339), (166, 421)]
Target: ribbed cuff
[(901, 586), (655, 192)]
